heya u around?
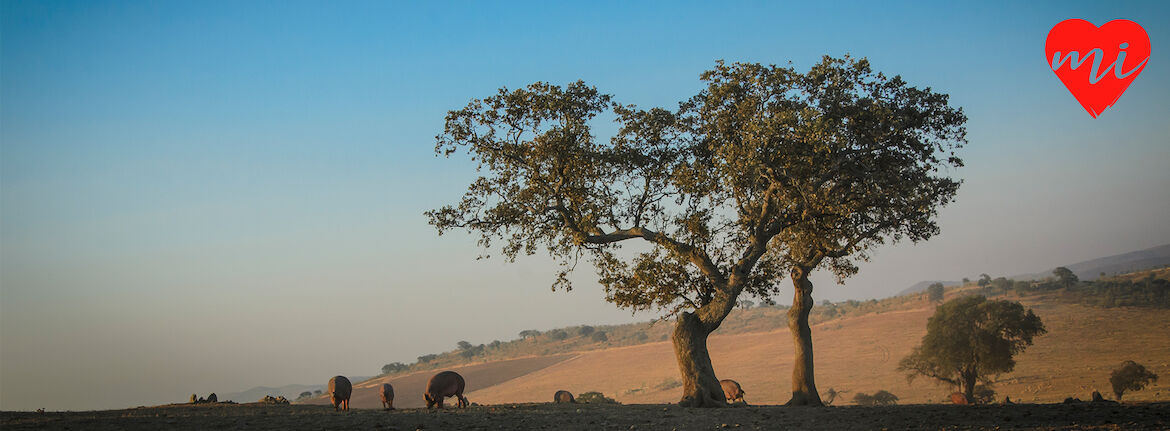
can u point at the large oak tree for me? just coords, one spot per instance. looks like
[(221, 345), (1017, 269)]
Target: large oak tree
[(764, 174)]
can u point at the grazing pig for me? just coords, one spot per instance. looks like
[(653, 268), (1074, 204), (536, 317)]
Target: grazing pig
[(339, 391), (563, 397), (387, 396), (443, 385), (732, 390), (958, 398)]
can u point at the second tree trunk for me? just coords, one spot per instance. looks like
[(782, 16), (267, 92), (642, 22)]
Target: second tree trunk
[(804, 388)]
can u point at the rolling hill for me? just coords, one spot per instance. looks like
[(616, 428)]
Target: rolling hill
[(1088, 270), (857, 352)]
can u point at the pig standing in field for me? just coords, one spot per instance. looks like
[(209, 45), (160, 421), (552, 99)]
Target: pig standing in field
[(959, 398), (387, 396), (443, 385), (339, 392), (563, 397), (732, 390)]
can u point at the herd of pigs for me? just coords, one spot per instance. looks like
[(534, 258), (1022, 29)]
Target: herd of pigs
[(450, 384)]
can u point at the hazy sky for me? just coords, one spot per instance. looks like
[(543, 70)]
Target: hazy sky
[(209, 196)]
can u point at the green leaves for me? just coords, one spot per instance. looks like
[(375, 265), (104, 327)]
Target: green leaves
[(764, 170), (973, 336)]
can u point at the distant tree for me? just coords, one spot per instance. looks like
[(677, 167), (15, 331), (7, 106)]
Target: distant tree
[(463, 345), (394, 367), (529, 333), (1065, 277), (1101, 275), (984, 280), (495, 344), (971, 339), (881, 398), (600, 337), (317, 392), (1131, 376), (427, 358), (935, 292), (305, 394), (559, 335), (746, 304), (641, 336), (585, 331), (966, 281)]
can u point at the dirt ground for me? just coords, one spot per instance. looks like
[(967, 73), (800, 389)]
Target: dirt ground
[(1135, 416)]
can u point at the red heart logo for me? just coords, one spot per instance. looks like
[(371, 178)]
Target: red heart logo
[(1097, 64)]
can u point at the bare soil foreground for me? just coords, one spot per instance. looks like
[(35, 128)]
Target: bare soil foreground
[(1135, 416)]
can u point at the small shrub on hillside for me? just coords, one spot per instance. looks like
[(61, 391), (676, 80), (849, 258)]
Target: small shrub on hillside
[(595, 398), (584, 331), (393, 367), (599, 337), (559, 335), (881, 398)]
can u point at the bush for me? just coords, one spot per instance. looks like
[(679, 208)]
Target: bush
[(1131, 376), (585, 331), (600, 337), (559, 335), (881, 398), (984, 394), (393, 367), (595, 398)]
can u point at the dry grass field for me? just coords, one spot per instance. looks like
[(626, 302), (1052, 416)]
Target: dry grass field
[(861, 354)]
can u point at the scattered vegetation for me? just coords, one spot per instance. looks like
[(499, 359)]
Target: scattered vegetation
[(393, 367), (831, 395), (881, 398), (595, 398), (269, 399), (668, 384), (1130, 376)]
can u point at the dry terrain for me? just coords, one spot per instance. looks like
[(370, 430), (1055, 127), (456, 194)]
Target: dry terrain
[(572, 417), (854, 354)]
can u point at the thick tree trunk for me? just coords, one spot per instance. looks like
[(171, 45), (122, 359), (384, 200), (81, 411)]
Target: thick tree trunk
[(804, 388), (968, 384), (700, 386)]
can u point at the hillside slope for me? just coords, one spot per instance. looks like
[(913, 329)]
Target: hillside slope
[(861, 354)]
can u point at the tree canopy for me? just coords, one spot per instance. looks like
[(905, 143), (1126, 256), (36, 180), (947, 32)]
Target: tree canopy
[(935, 292), (972, 339), (1130, 376)]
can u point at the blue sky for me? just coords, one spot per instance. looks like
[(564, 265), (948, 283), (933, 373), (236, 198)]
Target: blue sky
[(172, 172)]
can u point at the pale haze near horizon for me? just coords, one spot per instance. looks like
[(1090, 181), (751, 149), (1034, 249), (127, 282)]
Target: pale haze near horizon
[(202, 198)]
